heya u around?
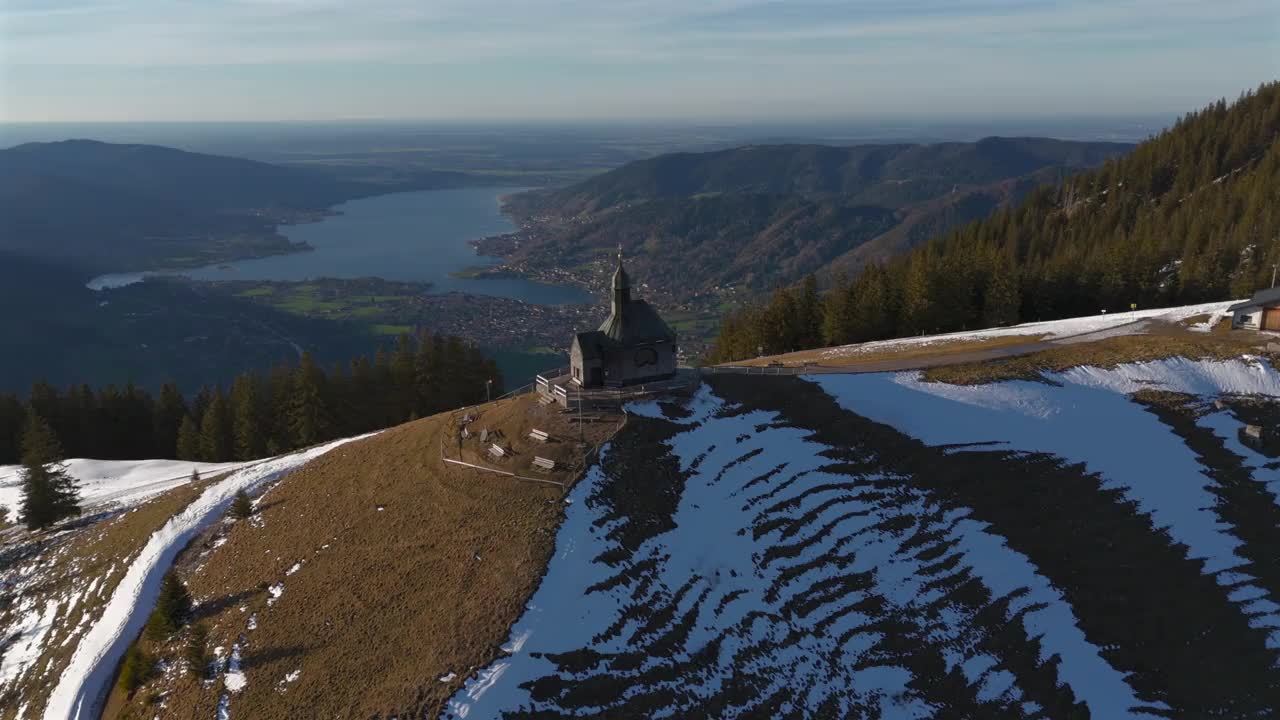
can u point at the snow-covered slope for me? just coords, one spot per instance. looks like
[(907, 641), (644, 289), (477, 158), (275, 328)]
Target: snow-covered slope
[(84, 684), (1096, 327), (122, 483), (876, 546)]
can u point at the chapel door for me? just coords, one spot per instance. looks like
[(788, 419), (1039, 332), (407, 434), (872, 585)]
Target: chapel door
[(1271, 319)]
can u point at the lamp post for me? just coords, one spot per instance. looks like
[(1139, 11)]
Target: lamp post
[(488, 385)]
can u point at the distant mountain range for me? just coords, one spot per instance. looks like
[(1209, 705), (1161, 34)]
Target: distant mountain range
[(1189, 216), (101, 207), (761, 216)]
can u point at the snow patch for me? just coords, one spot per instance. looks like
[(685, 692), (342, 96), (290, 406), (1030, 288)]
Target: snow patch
[(26, 638), (234, 680), (1096, 326), (282, 686), (1089, 418), (119, 483), (1245, 376)]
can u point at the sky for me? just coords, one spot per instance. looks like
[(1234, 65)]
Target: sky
[(324, 60)]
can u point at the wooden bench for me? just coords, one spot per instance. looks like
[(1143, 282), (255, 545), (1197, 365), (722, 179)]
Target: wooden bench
[(542, 464), (496, 451), (539, 435), (546, 400)]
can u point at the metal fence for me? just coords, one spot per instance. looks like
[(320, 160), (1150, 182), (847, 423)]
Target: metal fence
[(759, 370)]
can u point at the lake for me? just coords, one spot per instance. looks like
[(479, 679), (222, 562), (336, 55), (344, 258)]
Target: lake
[(409, 236)]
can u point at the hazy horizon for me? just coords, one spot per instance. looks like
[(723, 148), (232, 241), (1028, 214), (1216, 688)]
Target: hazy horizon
[(635, 60), (622, 139)]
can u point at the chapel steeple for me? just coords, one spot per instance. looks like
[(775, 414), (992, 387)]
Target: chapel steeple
[(621, 288)]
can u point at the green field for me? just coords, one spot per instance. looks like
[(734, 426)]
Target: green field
[(329, 301)]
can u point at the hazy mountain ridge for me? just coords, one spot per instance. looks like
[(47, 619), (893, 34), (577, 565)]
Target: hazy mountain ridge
[(762, 216), (861, 174), (101, 206)]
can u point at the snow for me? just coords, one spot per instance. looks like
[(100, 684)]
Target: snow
[(741, 600), (122, 483), (84, 683), (234, 680), (296, 567), (276, 591), (1246, 376), (1096, 327), (26, 638), (1087, 417), (1009, 574), (283, 685)]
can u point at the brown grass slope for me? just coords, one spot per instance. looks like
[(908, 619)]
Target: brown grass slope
[(408, 570)]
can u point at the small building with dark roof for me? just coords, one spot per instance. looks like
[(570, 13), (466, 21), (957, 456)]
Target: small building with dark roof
[(632, 346), (1262, 312)]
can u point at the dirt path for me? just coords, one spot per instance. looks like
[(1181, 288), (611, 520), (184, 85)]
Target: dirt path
[(943, 358)]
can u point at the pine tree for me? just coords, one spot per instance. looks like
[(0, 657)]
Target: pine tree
[(247, 422), (188, 439), (836, 313), (402, 375), (1001, 300), (137, 667), (913, 317), (49, 494), (170, 411), (137, 411), (171, 611), (308, 414), (277, 403), (196, 652), (241, 506), (384, 390), (216, 444), (809, 310)]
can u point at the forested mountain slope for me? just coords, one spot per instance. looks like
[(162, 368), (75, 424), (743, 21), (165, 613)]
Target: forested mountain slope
[(1189, 216), (759, 216), (888, 175)]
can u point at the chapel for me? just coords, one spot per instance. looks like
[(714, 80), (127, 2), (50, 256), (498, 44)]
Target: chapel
[(633, 346)]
